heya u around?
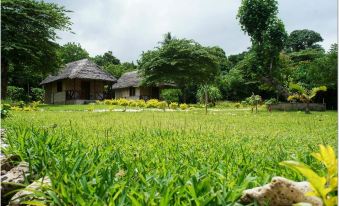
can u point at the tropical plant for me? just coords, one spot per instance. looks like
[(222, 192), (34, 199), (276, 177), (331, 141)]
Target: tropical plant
[(270, 102), (253, 101), (170, 95), (5, 110), (324, 187), (208, 93), (305, 95)]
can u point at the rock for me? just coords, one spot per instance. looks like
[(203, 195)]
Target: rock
[(12, 178), (27, 194), (7, 163), (2, 133), (280, 192)]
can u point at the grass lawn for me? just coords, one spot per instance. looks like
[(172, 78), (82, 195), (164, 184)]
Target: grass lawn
[(163, 158)]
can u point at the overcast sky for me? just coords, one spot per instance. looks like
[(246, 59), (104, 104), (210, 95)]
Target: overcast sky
[(128, 27)]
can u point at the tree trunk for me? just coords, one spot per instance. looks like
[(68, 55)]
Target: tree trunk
[(206, 100), (307, 109), (4, 77)]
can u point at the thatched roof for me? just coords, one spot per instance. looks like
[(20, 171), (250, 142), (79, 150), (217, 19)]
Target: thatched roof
[(133, 79), (128, 79), (82, 69)]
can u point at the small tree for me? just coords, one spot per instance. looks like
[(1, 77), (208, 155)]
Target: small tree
[(208, 93), (305, 95), (253, 101)]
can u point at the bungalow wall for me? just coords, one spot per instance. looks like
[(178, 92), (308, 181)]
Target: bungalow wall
[(53, 96), (140, 93)]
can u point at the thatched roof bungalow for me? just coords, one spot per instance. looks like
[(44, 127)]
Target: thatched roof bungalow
[(79, 82), (129, 86)]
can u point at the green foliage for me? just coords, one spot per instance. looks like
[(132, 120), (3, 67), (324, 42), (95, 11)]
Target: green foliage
[(72, 52), (303, 39), (5, 110), (301, 93), (180, 61), (162, 158), (152, 103), (183, 106), (162, 105), (253, 101), (106, 59), (37, 94), (141, 103), (271, 101), (258, 18), (29, 32), (16, 93), (325, 187), (173, 105), (170, 95), (213, 94)]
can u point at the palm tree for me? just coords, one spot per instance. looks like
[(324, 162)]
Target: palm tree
[(304, 95)]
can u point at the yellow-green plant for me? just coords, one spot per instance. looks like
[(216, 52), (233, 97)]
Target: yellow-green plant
[(152, 103), (183, 106), (325, 187), (133, 103), (173, 105), (141, 103), (305, 95), (162, 105), (123, 102)]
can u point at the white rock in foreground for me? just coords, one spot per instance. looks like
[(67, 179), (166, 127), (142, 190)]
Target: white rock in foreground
[(280, 192), (28, 192)]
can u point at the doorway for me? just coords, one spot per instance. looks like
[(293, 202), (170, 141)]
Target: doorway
[(85, 89)]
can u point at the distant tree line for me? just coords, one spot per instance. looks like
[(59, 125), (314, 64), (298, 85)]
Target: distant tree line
[(274, 60)]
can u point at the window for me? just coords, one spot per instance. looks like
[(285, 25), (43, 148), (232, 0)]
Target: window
[(131, 91), (59, 86)]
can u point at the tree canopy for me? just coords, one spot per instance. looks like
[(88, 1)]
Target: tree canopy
[(303, 39), (28, 30), (180, 61), (72, 52)]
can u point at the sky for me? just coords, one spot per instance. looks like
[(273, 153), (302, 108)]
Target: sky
[(129, 27)]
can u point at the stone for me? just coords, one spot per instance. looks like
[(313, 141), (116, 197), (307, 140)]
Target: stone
[(9, 162), (280, 192), (27, 194), (12, 178)]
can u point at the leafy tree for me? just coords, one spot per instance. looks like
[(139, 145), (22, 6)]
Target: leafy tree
[(180, 61), (303, 39), (258, 18), (71, 52), (28, 30), (305, 95), (106, 59), (208, 93), (118, 69)]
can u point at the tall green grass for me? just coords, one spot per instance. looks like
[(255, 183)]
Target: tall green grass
[(163, 158)]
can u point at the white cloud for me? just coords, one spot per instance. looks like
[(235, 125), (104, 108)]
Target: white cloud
[(128, 27)]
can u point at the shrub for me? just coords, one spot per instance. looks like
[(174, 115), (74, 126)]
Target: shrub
[(99, 102), (16, 93), (21, 104), (90, 108), (162, 105), (16, 108), (27, 109), (37, 94), (108, 101), (141, 103), (133, 103), (170, 95), (123, 102), (5, 110), (152, 103), (183, 106), (173, 105)]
